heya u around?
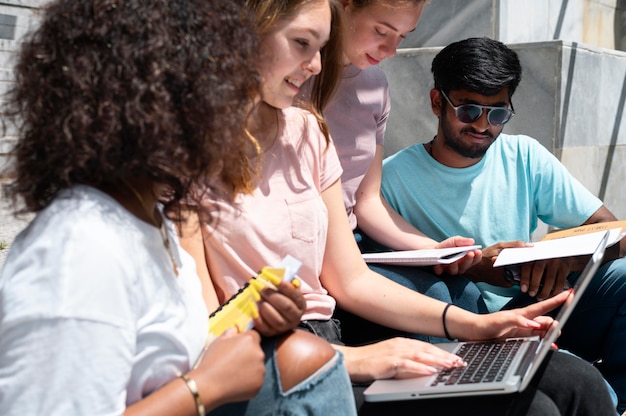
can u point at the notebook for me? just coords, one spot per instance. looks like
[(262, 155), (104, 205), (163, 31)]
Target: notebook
[(419, 257), (506, 374)]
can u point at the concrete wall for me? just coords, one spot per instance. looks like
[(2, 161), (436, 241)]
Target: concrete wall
[(16, 18), (599, 23)]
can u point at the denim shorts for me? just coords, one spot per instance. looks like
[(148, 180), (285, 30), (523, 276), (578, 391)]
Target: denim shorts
[(329, 330)]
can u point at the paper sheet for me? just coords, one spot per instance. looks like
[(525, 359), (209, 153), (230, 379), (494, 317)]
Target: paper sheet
[(561, 247)]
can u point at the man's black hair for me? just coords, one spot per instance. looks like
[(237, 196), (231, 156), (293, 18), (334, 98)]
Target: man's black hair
[(480, 65)]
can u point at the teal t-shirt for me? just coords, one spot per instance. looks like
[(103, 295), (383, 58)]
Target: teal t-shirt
[(498, 199)]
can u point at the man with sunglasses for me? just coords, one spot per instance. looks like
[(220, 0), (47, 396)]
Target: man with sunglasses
[(473, 180)]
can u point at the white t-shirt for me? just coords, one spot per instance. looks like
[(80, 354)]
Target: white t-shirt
[(92, 316)]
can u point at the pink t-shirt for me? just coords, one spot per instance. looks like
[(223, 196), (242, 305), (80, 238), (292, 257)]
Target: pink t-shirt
[(285, 215), (357, 119)]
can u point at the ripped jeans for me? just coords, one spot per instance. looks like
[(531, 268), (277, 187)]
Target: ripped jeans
[(327, 392)]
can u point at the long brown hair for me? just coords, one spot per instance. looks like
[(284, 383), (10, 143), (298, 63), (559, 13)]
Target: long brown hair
[(268, 12)]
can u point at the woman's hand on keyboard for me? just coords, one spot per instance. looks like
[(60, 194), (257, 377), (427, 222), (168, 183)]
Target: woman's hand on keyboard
[(396, 358)]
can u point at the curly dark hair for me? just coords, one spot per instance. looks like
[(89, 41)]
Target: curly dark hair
[(108, 89)]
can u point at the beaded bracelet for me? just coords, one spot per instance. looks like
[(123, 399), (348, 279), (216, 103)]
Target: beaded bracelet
[(193, 388), (443, 318)]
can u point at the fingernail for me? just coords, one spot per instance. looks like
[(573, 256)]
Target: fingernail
[(532, 293), (524, 288)]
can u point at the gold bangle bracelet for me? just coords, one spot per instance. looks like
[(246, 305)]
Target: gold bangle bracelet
[(193, 388)]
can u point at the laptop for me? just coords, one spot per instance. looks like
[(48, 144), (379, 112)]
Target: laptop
[(511, 372)]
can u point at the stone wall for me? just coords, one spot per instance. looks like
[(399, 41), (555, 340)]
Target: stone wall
[(16, 18), (600, 23)]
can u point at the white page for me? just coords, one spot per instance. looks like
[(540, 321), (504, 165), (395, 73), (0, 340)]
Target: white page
[(420, 257), (561, 247)]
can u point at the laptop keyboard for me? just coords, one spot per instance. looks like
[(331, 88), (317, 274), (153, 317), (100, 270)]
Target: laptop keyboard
[(487, 362)]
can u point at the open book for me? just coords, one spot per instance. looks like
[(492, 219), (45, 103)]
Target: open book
[(569, 242), (419, 257)]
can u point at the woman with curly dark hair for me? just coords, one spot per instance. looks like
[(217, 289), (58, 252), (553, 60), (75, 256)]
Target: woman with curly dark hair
[(118, 107)]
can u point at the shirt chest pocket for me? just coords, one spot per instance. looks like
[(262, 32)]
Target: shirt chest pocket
[(308, 217)]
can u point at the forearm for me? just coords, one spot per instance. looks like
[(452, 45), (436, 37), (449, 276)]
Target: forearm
[(604, 215), (173, 399), (383, 224), (370, 295), (378, 299), (358, 368)]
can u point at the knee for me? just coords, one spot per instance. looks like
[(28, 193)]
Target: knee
[(576, 374), (299, 355), (440, 291)]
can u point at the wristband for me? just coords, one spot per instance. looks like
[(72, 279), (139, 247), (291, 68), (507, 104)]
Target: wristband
[(443, 318), (193, 388)]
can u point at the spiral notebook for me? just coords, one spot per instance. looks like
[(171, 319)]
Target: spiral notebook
[(510, 373)]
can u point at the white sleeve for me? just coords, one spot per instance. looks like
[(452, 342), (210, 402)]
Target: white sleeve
[(67, 324), (55, 359)]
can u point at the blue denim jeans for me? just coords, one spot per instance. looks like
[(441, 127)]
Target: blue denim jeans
[(327, 392), (596, 330)]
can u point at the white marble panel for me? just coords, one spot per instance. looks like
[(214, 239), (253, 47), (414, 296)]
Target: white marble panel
[(594, 87), (595, 22), (602, 170), (445, 21)]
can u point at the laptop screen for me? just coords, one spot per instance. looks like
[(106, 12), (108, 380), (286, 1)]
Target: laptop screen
[(568, 305)]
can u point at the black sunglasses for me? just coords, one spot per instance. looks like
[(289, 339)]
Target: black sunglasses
[(469, 113)]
